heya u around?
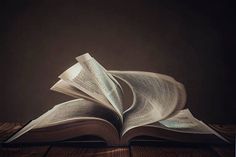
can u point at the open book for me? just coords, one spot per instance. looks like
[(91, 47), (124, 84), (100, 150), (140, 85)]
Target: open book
[(157, 109)]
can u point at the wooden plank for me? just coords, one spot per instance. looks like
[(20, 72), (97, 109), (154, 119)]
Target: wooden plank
[(7, 129), (23, 151), (147, 151), (227, 131), (73, 151), (224, 151)]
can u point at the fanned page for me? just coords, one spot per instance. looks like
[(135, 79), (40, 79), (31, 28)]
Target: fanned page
[(184, 122), (88, 79), (77, 109), (79, 77), (105, 83), (156, 97), (79, 113), (181, 127), (65, 88)]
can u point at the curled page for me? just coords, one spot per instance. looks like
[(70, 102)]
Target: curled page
[(104, 82), (70, 111), (185, 122), (82, 79), (64, 87), (156, 97)]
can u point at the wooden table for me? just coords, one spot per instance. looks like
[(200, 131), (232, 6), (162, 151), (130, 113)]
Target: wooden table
[(7, 129)]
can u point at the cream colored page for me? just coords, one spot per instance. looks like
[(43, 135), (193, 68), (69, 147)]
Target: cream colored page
[(71, 111), (155, 97), (64, 87), (110, 89), (185, 122), (29, 126), (82, 79), (76, 109)]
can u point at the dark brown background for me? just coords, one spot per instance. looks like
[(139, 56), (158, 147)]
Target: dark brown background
[(192, 41)]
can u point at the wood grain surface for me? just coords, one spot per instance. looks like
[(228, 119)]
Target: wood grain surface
[(227, 131), (24, 151), (88, 152), (7, 129), (144, 151)]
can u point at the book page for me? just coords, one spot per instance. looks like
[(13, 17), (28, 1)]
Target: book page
[(79, 108), (185, 122), (64, 87), (156, 97), (105, 82), (82, 79), (70, 111), (182, 127)]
